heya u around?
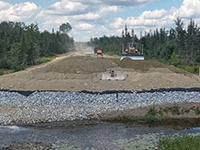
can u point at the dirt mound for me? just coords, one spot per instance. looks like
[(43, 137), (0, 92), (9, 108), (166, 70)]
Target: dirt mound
[(144, 66), (139, 65), (80, 65), (77, 71)]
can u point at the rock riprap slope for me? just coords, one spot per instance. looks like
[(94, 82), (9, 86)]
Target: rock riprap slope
[(61, 106)]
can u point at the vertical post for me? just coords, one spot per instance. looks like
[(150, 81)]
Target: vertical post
[(142, 48), (122, 48)]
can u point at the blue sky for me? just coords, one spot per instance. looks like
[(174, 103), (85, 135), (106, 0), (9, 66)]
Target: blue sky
[(43, 3), (161, 4), (166, 4), (91, 18)]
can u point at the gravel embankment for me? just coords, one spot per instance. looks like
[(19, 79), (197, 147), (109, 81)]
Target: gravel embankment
[(59, 106)]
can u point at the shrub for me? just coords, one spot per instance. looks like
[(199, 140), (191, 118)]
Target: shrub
[(152, 116), (175, 110), (197, 111), (187, 142)]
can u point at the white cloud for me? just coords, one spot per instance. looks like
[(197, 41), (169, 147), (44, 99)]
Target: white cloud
[(67, 7), (156, 14), (118, 23), (4, 5), (85, 26), (87, 17), (156, 18), (114, 2), (18, 12), (190, 8), (90, 18), (107, 9), (150, 20)]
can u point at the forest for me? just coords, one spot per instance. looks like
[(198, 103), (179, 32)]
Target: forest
[(178, 46), (22, 45)]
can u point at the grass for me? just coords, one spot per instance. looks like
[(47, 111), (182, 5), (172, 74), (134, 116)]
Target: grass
[(175, 110), (190, 68), (176, 61), (42, 60), (197, 111), (111, 53), (151, 141), (155, 116), (6, 71), (151, 117), (187, 142)]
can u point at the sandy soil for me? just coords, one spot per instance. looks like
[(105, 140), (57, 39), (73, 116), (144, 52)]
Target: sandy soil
[(79, 70)]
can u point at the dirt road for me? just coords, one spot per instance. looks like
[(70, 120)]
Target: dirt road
[(79, 70)]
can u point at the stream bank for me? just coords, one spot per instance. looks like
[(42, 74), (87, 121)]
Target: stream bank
[(94, 135)]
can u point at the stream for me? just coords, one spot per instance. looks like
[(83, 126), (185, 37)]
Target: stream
[(100, 136)]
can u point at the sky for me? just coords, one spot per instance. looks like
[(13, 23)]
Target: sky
[(96, 18)]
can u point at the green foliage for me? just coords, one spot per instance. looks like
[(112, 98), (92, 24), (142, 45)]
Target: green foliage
[(186, 111), (5, 71), (1, 72), (190, 68), (187, 142), (16, 58), (174, 60), (153, 116), (150, 118), (21, 45), (42, 60), (197, 111), (111, 53), (177, 46), (65, 28), (175, 109), (109, 45)]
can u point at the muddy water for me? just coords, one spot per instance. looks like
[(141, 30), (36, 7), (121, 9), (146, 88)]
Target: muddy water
[(99, 136)]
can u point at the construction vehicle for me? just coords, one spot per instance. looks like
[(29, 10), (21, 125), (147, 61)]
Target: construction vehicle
[(129, 46), (130, 50), (98, 51)]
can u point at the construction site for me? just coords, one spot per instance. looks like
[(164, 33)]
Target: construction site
[(68, 103), (82, 70)]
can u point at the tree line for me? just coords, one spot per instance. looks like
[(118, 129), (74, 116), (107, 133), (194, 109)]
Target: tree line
[(21, 44), (180, 45)]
